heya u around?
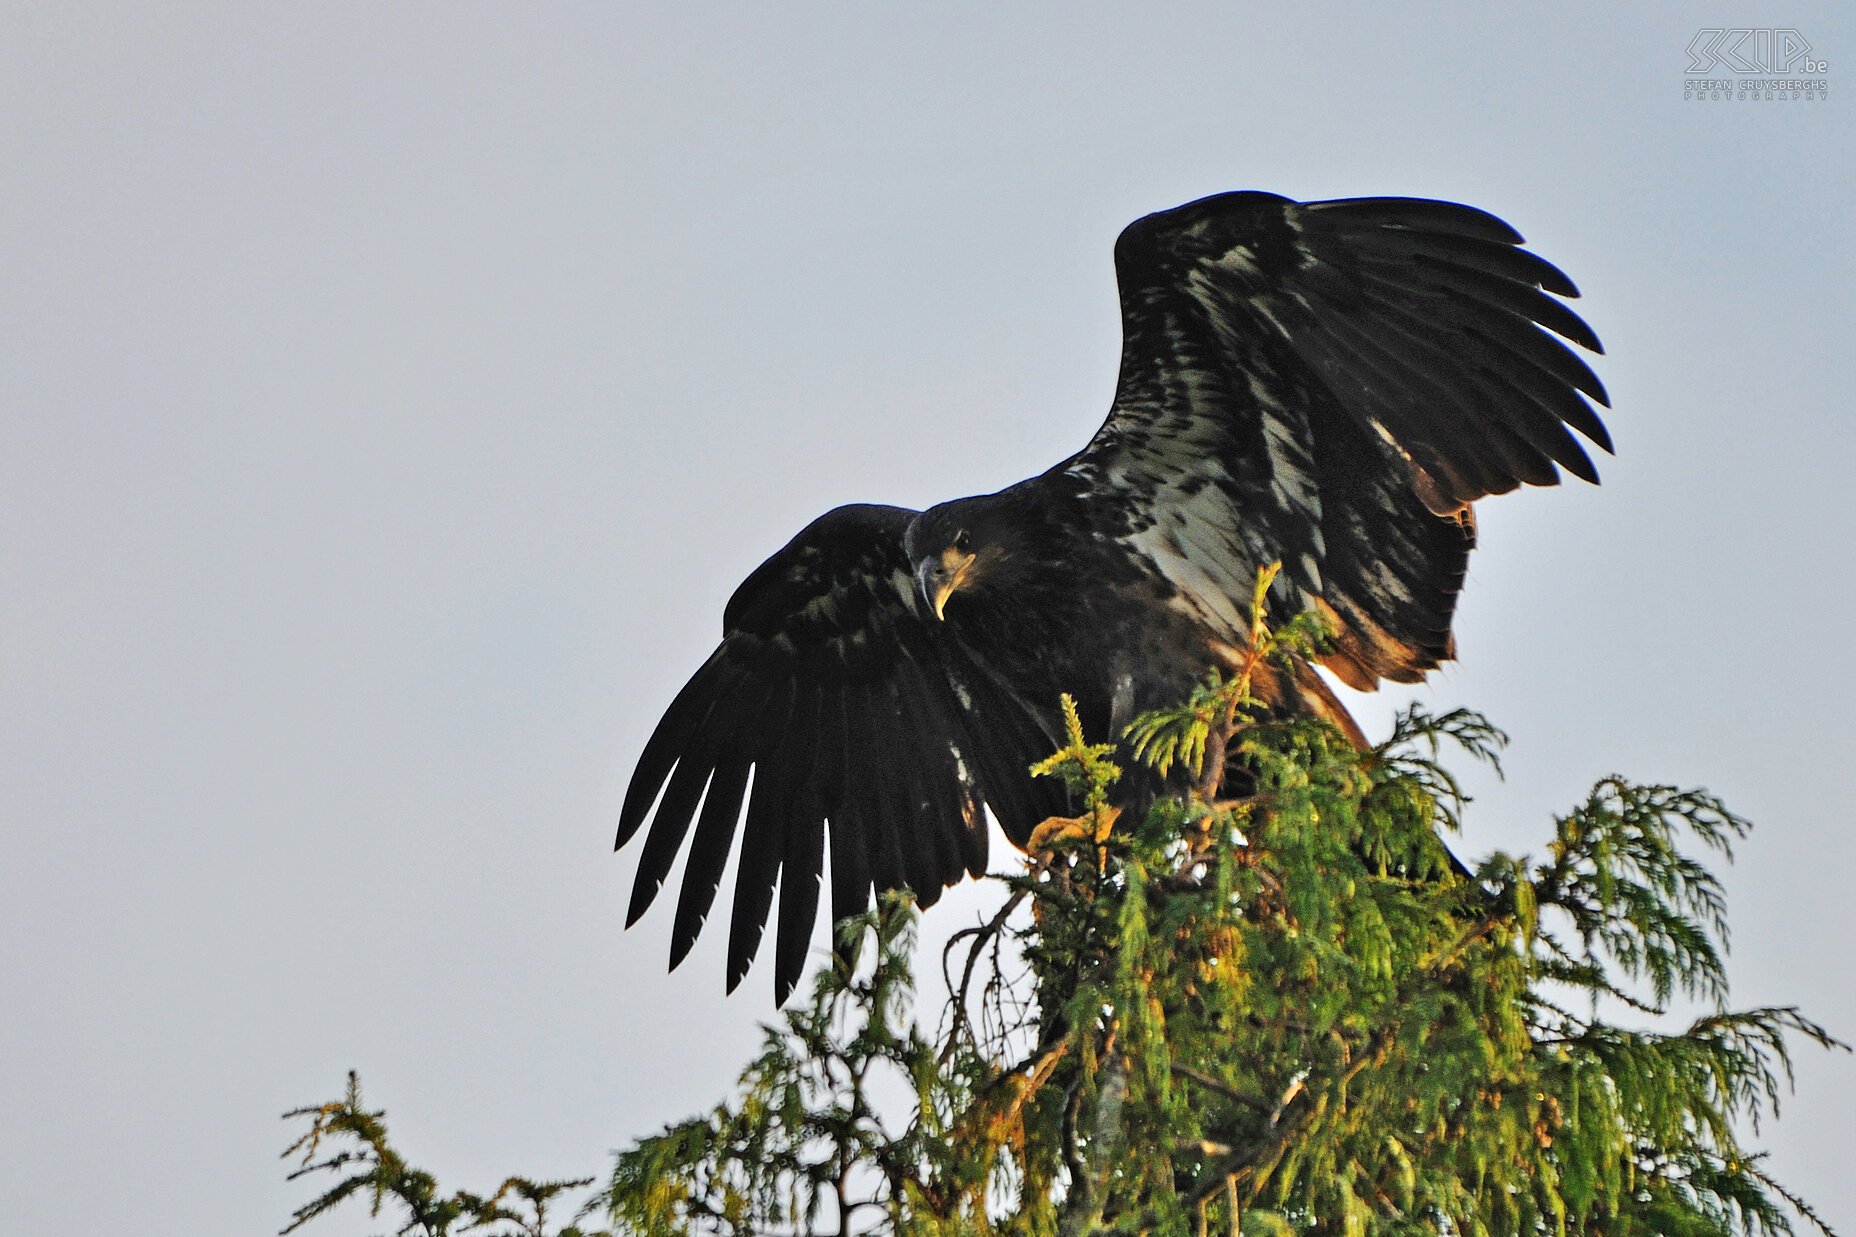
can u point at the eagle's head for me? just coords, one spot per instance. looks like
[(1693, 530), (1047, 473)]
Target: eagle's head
[(955, 547)]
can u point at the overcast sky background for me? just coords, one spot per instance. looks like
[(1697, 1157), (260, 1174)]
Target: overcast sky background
[(391, 395)]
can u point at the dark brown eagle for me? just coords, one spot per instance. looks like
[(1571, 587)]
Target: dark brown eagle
[(1324, 384)]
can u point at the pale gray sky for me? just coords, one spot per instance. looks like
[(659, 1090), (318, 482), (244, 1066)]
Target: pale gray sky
[(392, 393)]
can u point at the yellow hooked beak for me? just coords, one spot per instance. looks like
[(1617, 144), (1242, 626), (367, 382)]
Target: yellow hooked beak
[(938, 577)]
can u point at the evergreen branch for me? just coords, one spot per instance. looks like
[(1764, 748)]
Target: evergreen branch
[(374, 1167), (1283, 1013)]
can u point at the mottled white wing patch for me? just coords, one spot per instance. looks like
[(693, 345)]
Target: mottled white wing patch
[(1330, 385)]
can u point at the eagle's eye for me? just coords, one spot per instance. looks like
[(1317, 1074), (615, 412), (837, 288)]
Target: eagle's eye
[(961, 541)]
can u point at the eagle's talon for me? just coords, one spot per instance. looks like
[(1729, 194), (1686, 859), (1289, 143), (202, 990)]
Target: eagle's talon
[(1094, 826)]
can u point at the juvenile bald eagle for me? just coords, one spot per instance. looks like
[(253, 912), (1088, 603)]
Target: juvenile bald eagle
[(1328, 384)]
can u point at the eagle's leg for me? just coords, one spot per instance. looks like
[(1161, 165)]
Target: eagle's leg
[(1092, 826)]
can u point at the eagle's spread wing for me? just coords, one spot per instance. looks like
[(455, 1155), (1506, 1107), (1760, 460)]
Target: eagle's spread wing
[(832, 685), (1331, 384)]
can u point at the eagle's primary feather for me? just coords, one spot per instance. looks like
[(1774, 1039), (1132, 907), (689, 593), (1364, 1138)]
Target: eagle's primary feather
[(1328, 384)]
